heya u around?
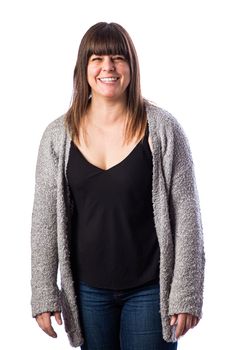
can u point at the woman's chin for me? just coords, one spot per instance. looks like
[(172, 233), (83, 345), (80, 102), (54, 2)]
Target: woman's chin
[(109, 95)]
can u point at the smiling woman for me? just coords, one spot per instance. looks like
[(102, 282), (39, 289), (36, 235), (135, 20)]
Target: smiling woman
[(108, 76), (107, 51), (116, 206)]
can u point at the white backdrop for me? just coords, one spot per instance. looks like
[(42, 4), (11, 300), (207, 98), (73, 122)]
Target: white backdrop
[(188, 53)]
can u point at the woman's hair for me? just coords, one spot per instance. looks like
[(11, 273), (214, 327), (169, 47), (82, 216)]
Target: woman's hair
[(107, 39)]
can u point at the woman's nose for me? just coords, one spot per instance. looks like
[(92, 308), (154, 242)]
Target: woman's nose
[(108, 64)]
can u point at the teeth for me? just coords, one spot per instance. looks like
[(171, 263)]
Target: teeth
[(108, 79)]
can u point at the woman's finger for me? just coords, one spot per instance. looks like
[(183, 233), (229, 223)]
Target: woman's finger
[(44, 322), (173, 320), (180, 325), (58, 318)]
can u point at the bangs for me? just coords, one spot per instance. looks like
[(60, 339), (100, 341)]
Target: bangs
[(107, 41)]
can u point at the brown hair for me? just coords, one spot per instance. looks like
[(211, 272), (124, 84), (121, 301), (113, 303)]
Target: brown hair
[(107, 39)]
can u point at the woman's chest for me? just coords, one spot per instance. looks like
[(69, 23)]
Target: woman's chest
[(106, 153)]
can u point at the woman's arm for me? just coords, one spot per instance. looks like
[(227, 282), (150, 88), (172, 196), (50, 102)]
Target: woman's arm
[(186, 295), (44, 257)]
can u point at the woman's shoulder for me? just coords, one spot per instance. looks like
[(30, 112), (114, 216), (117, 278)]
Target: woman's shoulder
[(168, 129), (55, 129), (56, 125), (161, 116), (53, 133)]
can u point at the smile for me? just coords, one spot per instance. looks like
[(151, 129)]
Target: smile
[(108, 80)]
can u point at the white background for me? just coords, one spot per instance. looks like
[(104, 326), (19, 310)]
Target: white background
[(189, 66)]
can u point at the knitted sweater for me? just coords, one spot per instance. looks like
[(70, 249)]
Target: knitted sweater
[(177, 219)]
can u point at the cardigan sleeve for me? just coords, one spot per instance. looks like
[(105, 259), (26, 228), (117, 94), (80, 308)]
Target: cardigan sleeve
[(186, 295), (44, 257)]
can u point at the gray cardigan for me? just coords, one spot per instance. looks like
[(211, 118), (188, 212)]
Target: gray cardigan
[(177, 220)]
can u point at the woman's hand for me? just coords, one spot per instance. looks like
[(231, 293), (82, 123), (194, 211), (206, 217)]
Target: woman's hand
[(184, 322), (44, 322)]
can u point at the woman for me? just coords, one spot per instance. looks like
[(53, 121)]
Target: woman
[(116, 208)]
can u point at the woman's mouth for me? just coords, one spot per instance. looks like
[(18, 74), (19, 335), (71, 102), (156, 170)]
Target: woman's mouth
[(109, 79)]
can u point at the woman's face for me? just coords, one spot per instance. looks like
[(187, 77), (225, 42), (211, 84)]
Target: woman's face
[(108, 76)]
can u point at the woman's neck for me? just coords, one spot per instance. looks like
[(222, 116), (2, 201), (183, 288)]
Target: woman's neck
[(106, 113)]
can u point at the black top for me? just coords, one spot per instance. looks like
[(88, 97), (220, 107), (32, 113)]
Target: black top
[(114, 242)]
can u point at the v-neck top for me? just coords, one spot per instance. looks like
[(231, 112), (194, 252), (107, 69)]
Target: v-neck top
[(114, 244)]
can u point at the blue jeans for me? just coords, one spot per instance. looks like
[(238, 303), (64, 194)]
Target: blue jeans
[(121, 320)]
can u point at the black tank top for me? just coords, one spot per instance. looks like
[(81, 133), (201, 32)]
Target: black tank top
[(113, 239)]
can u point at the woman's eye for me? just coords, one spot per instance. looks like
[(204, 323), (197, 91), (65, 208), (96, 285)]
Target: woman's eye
[(95, 58), (114, 58), (118, 58)]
